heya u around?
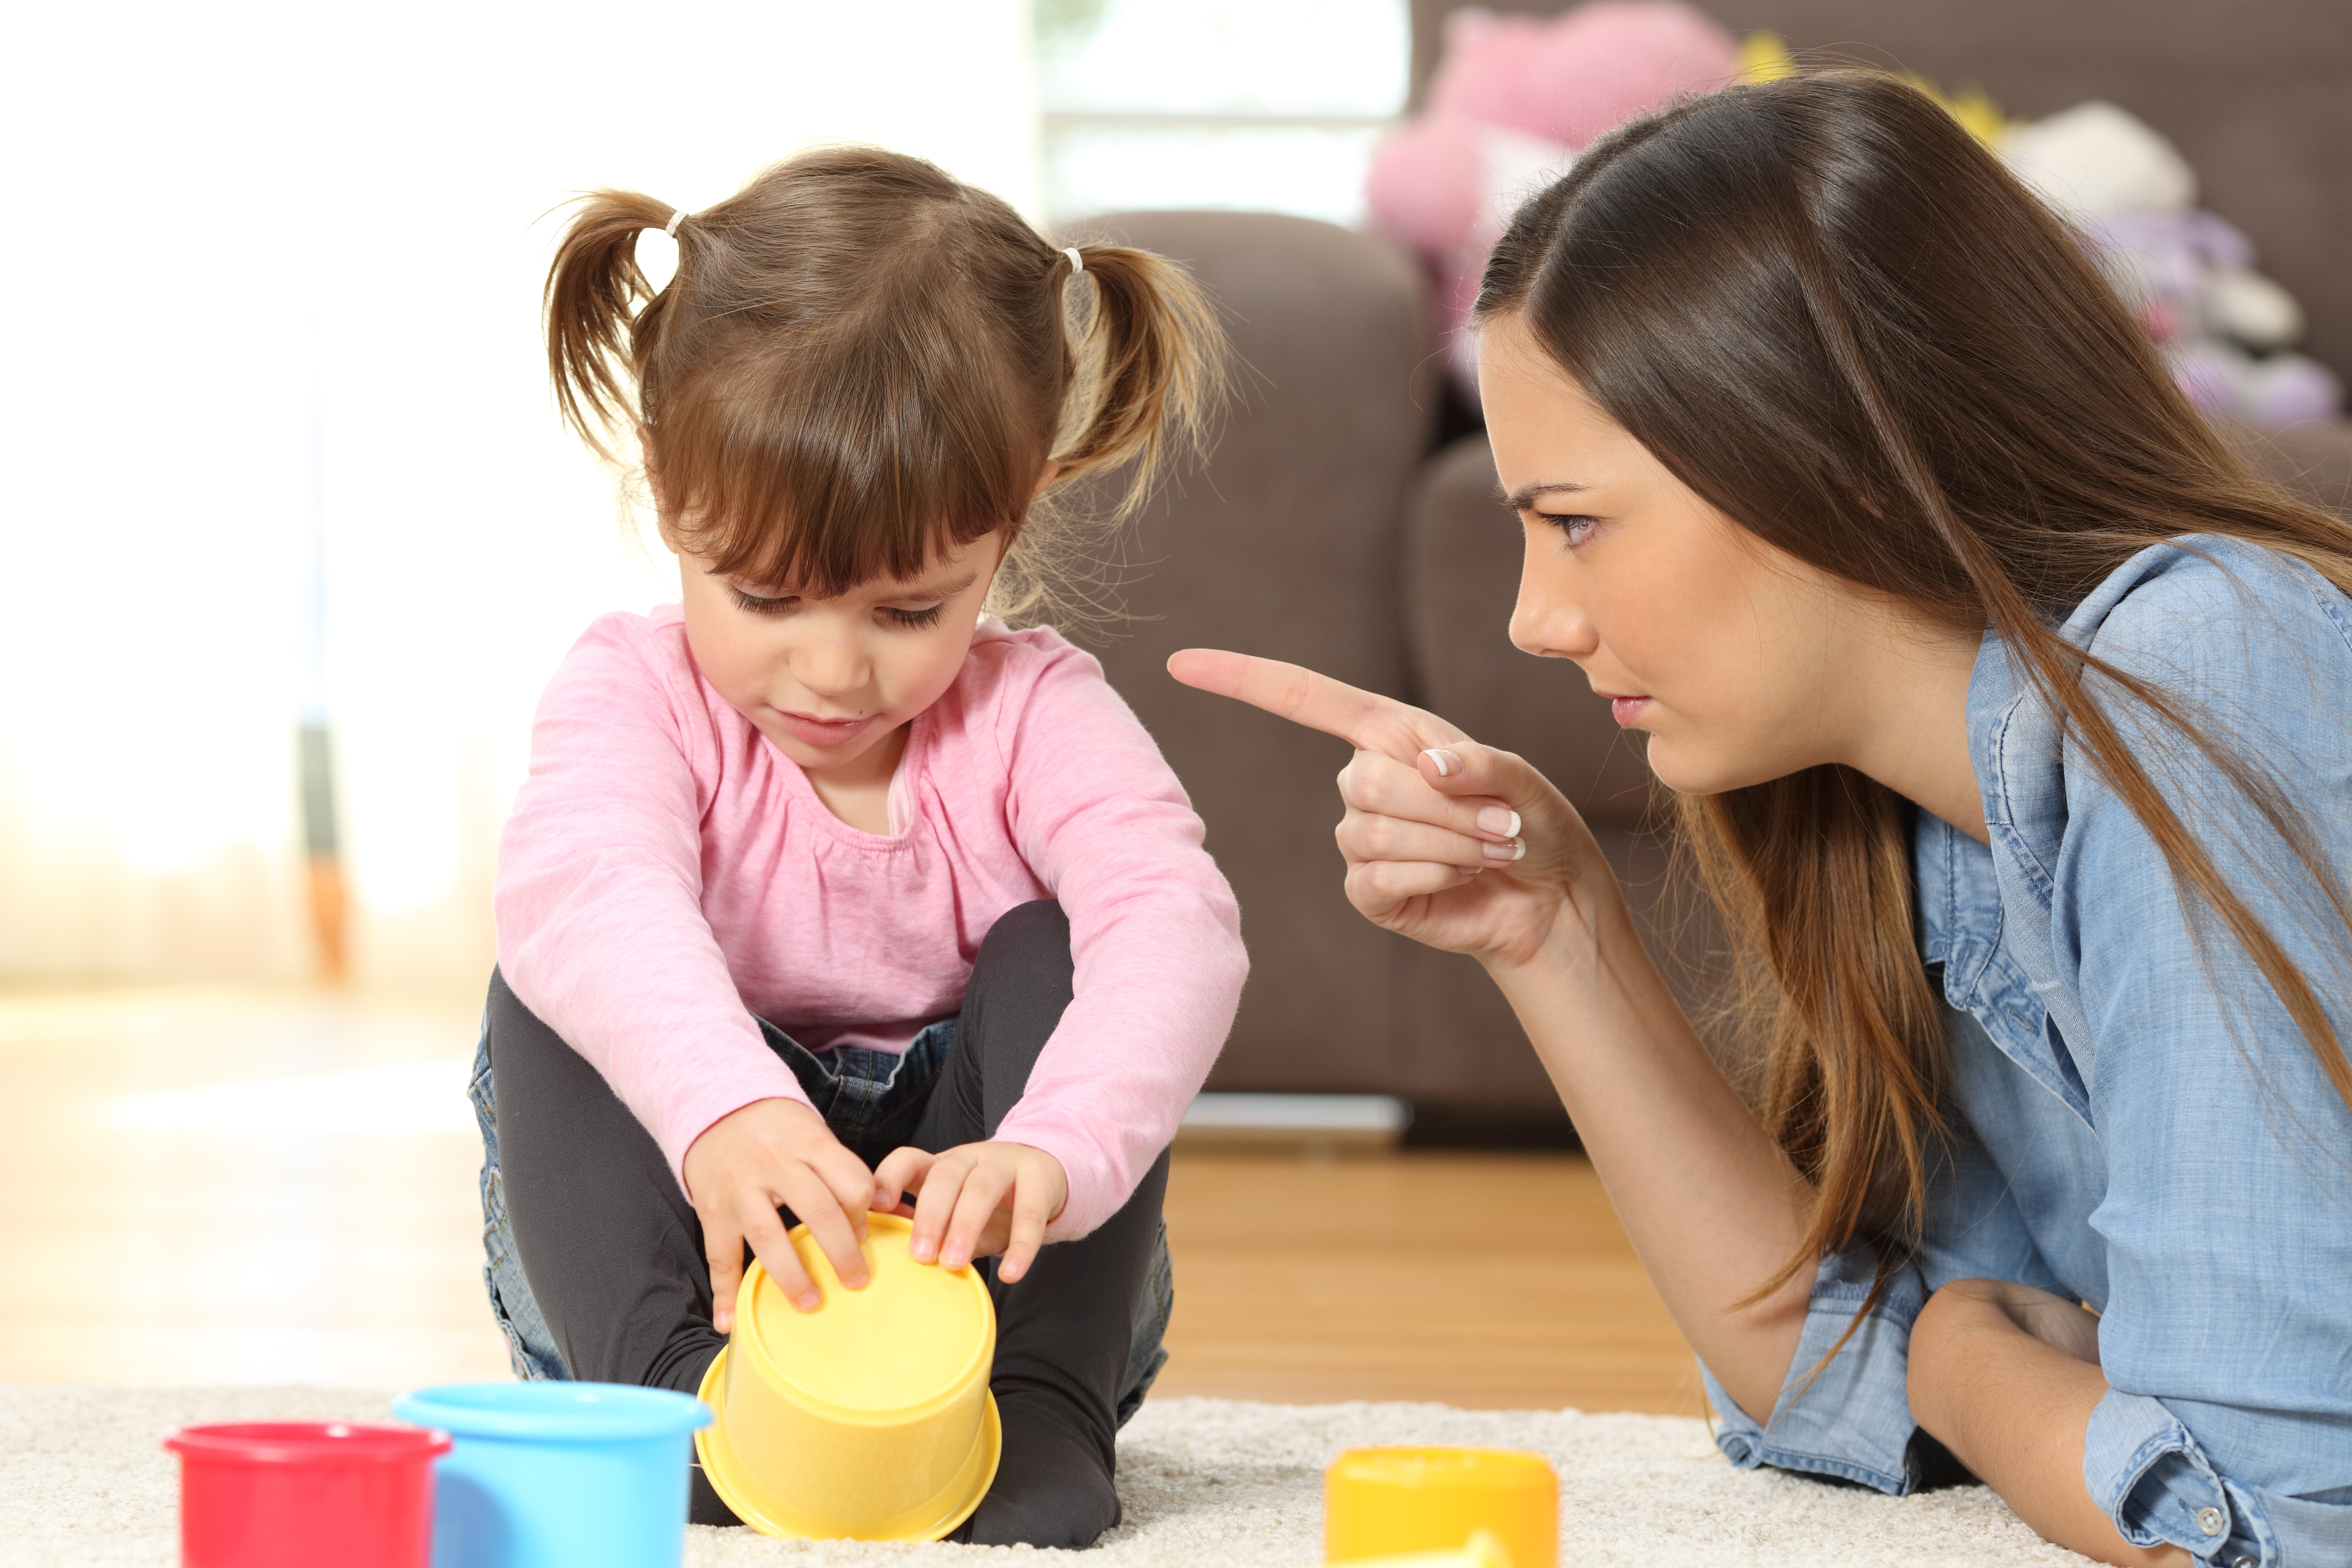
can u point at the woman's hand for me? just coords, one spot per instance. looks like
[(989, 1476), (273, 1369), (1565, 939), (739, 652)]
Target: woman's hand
[(771, 1153), (975, 1201), (1452, 843), (2006, 1377), (2061, 1324)]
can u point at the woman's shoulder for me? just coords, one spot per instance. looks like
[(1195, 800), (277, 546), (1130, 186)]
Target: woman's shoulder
[(2207, 606)]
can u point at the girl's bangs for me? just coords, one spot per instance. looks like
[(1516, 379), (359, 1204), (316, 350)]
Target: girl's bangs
[(826, 493)]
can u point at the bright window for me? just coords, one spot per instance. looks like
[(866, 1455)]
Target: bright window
[(1262, 104)]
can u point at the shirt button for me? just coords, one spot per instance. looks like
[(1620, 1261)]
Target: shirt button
[(2245, 1562), (2212, 1521)]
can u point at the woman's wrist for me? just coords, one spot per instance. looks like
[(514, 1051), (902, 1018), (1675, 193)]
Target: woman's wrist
[(1581, 946)]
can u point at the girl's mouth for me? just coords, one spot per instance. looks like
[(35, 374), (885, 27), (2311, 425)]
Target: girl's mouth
[(823, 732), (1628, 709)]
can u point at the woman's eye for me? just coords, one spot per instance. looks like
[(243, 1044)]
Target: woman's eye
[(1573, 526), (919, 619), (754, 604)]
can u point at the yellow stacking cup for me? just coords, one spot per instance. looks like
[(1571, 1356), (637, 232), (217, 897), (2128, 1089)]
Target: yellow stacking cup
[(1383, 1502), (871, 1417), (1482, 1550)]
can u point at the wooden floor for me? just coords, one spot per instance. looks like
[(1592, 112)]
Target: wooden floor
[(219, 1185)]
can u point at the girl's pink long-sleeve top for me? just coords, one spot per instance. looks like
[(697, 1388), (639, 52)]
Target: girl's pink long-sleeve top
[(668, 873)]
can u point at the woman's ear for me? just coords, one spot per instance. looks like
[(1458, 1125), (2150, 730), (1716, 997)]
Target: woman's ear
[(1051, 472)]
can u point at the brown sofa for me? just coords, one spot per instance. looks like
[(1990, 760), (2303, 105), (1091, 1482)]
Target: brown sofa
[(1334, 528)]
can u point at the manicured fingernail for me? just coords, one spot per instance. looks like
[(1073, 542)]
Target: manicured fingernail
[(1502, 824), (1503, 854), (1447, 762)]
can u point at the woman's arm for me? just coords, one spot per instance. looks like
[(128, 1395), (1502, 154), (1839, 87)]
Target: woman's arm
[(1711, 1203), (2006, 1377)]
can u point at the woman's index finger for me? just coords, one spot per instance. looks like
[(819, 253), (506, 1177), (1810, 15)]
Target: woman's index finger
[(1365, 720)]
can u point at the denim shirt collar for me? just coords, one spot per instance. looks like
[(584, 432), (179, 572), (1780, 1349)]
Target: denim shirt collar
[(1986, 913)]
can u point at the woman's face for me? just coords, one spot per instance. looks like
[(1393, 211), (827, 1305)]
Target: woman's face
[(1743, 663)]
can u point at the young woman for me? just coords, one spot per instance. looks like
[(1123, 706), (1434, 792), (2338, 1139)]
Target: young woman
[(825, 888), (2010, 719)]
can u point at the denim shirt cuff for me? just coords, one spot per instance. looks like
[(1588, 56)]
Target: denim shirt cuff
[(1854, 1421), (2150, 1476)]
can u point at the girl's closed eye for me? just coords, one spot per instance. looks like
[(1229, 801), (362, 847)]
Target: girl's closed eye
[(917, 619), (753, 604)]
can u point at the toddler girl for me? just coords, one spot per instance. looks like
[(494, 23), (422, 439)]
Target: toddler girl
[(828, 892)]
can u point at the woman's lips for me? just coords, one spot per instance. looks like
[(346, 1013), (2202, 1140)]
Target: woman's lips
[(1628, 709), (823, 732)]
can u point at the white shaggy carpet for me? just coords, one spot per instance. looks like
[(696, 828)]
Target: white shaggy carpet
[(83, 1483)]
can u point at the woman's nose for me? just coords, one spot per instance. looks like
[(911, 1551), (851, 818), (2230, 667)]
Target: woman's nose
[(1548, 620)]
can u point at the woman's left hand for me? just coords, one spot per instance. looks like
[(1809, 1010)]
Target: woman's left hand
[(976, 1200), (2007, 1378)]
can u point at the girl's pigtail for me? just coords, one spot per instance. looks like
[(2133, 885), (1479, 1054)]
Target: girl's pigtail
[(1152, 370), (596, 333)]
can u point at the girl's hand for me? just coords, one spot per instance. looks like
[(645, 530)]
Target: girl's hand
[(1452, 843), (772, 1153), (975, 1201)]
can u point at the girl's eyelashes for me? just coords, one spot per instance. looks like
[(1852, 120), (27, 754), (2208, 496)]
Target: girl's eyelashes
[(754, 604)]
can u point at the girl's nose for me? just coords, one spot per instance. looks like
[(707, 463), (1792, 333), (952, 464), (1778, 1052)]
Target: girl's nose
[(831, 666)]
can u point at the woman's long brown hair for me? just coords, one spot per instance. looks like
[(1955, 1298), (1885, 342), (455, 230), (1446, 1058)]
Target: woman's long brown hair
[(1838, 320), (861, 360)]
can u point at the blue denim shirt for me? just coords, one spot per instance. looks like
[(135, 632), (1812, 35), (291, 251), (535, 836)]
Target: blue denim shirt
[(2135, 1129)]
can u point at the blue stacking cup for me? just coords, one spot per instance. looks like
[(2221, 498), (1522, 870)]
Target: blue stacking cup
[(559, 1475)]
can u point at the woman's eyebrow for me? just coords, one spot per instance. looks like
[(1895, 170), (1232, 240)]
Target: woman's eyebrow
[(1525, 496)]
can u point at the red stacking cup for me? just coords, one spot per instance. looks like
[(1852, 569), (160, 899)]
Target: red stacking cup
[(299, 1494)]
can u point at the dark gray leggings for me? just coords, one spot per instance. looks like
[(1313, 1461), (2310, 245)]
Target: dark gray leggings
[(613, 1251)]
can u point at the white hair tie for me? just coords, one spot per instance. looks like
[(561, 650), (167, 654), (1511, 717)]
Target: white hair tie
[(1078, 262), (677, 216)]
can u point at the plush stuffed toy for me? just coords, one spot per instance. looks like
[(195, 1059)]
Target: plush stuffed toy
[(2223, 326), (1516, 97), (1513, 100)]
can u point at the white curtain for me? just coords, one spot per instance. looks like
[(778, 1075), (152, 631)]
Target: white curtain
[(272, 275)]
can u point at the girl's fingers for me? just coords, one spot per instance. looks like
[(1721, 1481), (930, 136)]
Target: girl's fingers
[(984, 1190), (901, 1172), (852, 1187), (835, 1237), (722, 1248), (764, 1229), (1029, 1220), (935, 1204)]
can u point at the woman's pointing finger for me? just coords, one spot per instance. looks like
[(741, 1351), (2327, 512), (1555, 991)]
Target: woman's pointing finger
[(1365, 720)]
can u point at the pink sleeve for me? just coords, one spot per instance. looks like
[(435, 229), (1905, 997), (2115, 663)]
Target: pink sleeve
[(599, 897), (1099, 817)]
